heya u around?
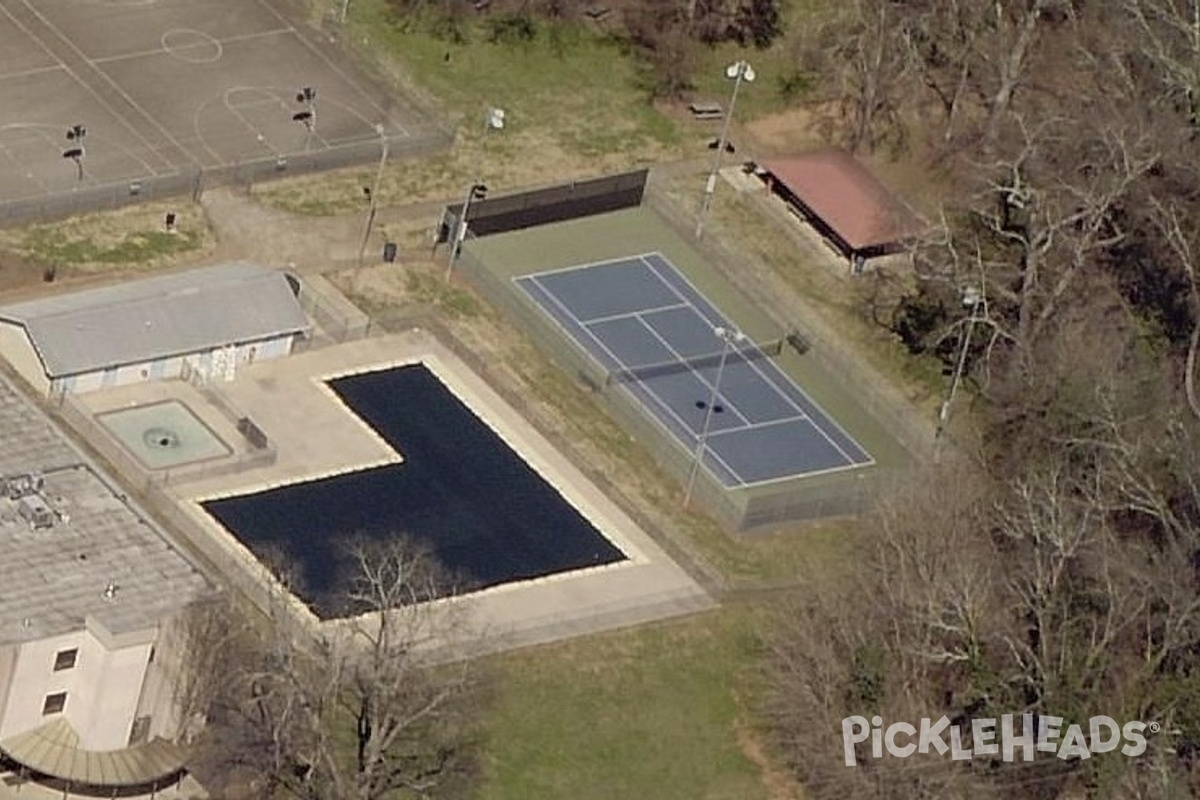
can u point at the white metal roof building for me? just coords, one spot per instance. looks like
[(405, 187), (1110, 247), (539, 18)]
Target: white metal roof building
[(202, 322), (91, 598)]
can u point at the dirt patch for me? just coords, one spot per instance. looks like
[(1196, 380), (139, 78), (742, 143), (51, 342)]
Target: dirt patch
[(779, 784), (787, 132)]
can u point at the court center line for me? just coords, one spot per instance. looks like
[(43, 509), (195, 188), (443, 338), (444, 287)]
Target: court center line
[(629, 314), (825, 414), (245, 37), (26, 73), (644, 386), (821, 429), (259, 137), (712, 388), (566, 311)]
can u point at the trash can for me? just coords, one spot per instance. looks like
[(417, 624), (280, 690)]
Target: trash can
[(389, 252)]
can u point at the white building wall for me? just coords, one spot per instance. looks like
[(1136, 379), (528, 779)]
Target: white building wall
[(102, 688), (87, 382), (8, 661), (18, 351), (166, 682), (172, 367)]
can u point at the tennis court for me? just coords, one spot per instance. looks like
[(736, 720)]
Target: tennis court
[(657, 336)]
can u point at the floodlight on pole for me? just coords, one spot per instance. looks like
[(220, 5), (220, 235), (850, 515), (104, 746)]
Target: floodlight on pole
[(478, 191), (76, 134), (308, 96), (737, 72), (730, 337), (373, 191)]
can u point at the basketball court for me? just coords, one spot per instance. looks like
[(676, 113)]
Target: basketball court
[(163, 88)]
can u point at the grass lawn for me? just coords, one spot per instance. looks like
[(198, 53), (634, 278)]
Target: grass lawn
[(571, 97), (133, 237), (652, 712)]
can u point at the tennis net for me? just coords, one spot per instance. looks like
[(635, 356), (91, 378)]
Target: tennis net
[(734, 355)]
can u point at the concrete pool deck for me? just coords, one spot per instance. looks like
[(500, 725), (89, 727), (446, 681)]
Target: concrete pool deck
[(316, 435)]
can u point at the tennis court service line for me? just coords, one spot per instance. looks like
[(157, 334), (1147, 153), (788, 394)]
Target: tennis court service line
[(820, 428), (684, 427)]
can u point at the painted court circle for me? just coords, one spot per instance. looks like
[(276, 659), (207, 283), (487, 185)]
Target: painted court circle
[(192, 46)]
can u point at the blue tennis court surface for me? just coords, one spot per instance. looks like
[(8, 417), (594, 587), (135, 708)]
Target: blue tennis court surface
[(640, 312)]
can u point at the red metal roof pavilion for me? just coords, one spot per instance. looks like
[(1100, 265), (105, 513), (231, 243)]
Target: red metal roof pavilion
[(845, 202)]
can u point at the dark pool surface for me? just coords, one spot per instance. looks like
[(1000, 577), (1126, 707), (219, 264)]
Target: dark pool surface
[(461, 492)]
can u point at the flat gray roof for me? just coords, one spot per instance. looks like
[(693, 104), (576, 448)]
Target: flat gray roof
[(159, 317), (54, 578)]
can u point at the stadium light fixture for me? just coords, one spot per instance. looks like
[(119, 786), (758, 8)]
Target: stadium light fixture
[(75, 135), (730, 337), (308, 97), (478, 191), (737, 72)]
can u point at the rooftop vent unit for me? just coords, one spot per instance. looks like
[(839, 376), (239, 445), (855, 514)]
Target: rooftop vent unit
[(34, 509), (18, 486)]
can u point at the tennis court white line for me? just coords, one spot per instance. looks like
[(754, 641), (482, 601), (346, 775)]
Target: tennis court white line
[(625, 314), (724, 323), (747, 425), (654, 395), (800, 389), (78, 80), (244, 37), (26, 73), (115, 86), (696, 373), (578, 267)]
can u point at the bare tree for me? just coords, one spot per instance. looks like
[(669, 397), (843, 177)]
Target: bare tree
[(360, 707)]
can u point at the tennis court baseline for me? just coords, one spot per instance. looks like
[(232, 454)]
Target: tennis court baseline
[(659, 338)]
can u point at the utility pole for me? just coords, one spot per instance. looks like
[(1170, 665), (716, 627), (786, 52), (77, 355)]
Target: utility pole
[(741, 71), (374, 192)]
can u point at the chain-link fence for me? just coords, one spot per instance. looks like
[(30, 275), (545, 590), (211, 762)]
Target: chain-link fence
[(336, 318), (741, 509), (192, 182)]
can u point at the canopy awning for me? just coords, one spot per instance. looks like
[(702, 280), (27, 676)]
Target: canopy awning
[(53, 750)]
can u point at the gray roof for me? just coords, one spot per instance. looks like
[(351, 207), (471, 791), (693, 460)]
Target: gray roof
[(152, 318), (52, 579)]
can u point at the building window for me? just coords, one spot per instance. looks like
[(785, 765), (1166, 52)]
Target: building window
[(65, 659), (54, 704)]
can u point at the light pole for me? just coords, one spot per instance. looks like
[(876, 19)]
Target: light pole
[(974, 300), (729, 337), (373, 192), (478, 191), (307, 96), (75, 135), (741, 71)]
